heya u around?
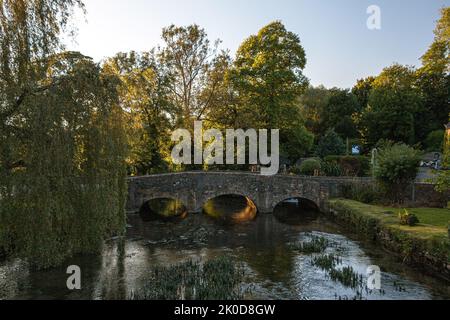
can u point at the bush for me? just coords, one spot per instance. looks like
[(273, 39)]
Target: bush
[(330, 144), (331, 169), (396, 169), (435, 141), (353, 166), (408, 219), (309, 167), (295, 170), (361, 193)]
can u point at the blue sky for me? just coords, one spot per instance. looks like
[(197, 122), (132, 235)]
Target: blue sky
[(339, 46)]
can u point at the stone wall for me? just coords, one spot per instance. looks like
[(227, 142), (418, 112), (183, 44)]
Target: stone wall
[(425, 195)]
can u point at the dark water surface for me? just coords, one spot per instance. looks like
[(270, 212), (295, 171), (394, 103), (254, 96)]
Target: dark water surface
[(264, 246)]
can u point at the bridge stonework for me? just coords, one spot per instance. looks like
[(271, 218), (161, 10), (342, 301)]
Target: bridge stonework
[(194, 189)]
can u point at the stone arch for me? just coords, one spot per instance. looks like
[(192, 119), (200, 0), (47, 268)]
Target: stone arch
[(278, 200), (221, 194), (168, 207), (161, 195), (244, 211)]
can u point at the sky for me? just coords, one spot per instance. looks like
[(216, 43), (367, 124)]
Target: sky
[(339, 46)]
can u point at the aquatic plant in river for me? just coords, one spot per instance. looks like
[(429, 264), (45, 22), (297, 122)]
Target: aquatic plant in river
[(316, 245), (216, 279)]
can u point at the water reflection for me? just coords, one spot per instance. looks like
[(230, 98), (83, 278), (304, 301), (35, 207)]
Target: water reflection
[(231, 209), (296, 211)]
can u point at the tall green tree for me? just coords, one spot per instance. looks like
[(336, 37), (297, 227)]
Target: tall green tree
[(221, 100), (187, 58), (145, 97), (312, 104), (268, 78), (331, 144), (338, 113), (433, 78), (362, 91), (393, 108), (443, 178)]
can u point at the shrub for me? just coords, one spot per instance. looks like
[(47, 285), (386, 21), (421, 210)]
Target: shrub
[(354, 166), (330, 144), (361, 193), (357, 166), (408, 219), (397, 168), (309, 167), (331, 169), (295, 170)]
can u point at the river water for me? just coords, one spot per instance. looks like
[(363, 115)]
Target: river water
[(264, 246)]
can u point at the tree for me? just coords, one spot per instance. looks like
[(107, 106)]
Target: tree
[(267, 76), (295, 140), (338, 113), (393, 108), (223, 109), (29, 33), (312, 104), (362, 91), (331, 144), (433, 78), (62, 147), (187, 58), (443, 179), (144, 94)]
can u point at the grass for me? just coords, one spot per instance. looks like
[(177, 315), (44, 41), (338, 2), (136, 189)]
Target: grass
[(433, 221), (426, 243)]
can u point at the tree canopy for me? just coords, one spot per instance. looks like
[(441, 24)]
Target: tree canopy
[(62, 186)]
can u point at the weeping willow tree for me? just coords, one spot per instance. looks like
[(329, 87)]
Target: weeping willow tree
[(62, 141)]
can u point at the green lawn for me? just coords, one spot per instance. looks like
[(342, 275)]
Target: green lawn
[(433, 221)]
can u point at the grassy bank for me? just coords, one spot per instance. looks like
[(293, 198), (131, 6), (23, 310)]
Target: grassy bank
[(427, 244)]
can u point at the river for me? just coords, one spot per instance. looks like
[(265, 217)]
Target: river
[(265, 247)]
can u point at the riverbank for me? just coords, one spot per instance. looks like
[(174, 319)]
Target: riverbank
[(425, 245)]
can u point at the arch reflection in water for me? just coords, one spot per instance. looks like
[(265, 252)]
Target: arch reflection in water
[(296, 211), (163, 209), (231, 209)]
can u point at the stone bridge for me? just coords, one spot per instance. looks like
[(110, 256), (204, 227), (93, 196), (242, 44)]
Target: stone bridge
[(194, 189)]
